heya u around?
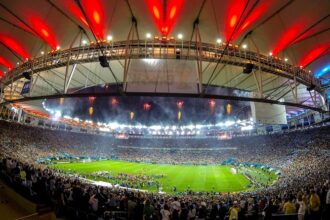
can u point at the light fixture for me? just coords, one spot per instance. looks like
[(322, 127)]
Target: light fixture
[(180, 36), (42, 53), (58, 47), (17, 63), (109, 37), (148, 35), (270, 54), (286, 59), (84, 42), (219, 40), (244, 46)]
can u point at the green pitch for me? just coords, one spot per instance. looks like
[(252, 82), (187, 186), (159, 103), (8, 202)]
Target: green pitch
[(199, 178)]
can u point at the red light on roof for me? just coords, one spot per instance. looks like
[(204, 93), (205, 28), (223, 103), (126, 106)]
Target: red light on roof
[(261, 8), (173, 11), (6, 63), (44, 32), (14, 45), (233, 13), (95, 13), (313, 54), (156, 12), (96, 17), (233, 21), (165, 15), (287, 35)]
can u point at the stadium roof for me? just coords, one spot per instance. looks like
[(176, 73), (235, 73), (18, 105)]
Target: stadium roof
[(296, 31)]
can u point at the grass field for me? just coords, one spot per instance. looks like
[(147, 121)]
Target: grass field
[(200, 178)]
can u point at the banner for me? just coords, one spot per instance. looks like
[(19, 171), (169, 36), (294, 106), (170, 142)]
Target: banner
[(26, 88)]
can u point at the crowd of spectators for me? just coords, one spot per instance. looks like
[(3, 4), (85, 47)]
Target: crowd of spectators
[(302, 156)]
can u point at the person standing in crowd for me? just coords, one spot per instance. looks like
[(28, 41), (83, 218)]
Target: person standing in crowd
[(302, 208), (268, 210), (218, 211), (192, 212), (289, 207), (233, 211), (149, 211), (314, 205), (175, 207), (165, 212), (326, 214), (202, 211)]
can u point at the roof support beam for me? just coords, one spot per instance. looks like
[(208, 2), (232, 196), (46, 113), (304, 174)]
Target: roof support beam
[(152, 94), (199, 50), (68, 78), (127, 62)]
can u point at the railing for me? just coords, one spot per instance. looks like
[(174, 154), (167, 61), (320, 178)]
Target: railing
[(185, 50)]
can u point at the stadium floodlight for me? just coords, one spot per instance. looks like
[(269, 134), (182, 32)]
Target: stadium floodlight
[(113, 125), (156, 127), (109, 37), (180, 36), (139, 126), (219, 40), (247, 128), (198, 126), (190, 127), (229, 123), (148, 35), (57, 114), (104, 129)]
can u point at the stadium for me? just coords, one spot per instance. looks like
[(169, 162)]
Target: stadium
[(164, 109)]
